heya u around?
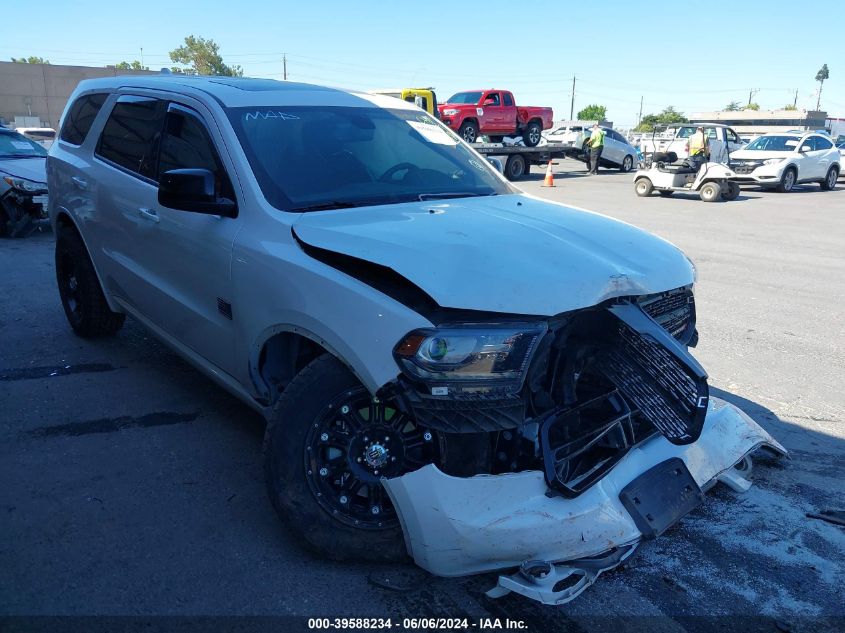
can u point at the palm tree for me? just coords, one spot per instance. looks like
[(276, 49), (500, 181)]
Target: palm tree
[(820, 77)]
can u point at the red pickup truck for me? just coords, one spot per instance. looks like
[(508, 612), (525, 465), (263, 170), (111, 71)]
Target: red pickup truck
[(495, 113)]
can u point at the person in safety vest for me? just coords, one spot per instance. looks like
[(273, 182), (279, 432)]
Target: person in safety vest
[(699, 146), (595, 144)]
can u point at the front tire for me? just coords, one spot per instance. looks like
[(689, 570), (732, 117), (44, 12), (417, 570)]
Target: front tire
[(732, 192), (79, 288), (643, 187), (532, 134), (469, 131), (787, 181), (327, 444), (829, 182), (627, 164)]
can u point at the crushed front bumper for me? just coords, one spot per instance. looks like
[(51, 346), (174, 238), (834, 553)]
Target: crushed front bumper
[(458, 526)]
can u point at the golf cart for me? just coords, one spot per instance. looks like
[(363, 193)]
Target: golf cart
[(662, 172)]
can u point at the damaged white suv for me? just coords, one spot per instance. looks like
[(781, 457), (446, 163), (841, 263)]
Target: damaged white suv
[(504, 380)]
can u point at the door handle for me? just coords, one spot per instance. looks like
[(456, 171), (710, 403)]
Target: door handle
[(148, 214), (80, 183)]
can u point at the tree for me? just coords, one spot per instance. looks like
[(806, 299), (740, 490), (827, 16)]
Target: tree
[(789, 106), (135, 65), (752, 106), (820, 77), (593, 112), (203, 57), (30, 60), (733, 106), (667, 117)]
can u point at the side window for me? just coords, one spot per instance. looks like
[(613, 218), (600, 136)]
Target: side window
[(508, 99), (711, 132), (731, 136), (686, 132), (808, 144), (492, 99), (131, 134), (80, 117), (186, 144), (822, 143)]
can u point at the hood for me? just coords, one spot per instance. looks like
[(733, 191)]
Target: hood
[(512, 253), (30, 168), (750, 154)]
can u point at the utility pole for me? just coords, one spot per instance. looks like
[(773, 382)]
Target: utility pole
[(640, 117), (142, 57), (751, 94), (572, 104), (795, 101), (284, 67)]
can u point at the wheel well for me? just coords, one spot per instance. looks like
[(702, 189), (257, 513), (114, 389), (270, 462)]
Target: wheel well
[(283, 356), (63, 219), (470, 119)]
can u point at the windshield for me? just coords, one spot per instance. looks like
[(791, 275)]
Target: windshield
[(13, 145), (470, 98), (313, 157), (773, 143)]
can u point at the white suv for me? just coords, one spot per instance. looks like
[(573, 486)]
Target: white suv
[(781, 160), (402, 315)]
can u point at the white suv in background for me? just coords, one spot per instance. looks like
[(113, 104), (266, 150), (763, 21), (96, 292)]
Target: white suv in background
[(403, 317), (781, 160)]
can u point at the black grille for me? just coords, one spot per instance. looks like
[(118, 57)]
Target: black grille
[(658, 376), (673, 310)]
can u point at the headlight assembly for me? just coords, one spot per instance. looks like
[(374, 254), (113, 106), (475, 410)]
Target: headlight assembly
[(22, 184), (450, 111), (465, 354)]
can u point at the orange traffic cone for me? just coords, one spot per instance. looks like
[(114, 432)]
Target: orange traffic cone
[(550, 179)]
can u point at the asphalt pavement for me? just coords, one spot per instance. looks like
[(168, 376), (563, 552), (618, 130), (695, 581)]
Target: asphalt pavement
[(131, 485)]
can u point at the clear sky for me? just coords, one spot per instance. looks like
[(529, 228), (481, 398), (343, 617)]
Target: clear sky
[(692, 55)]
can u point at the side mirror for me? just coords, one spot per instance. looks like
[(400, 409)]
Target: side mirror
[(497, 165), (193, 190), (805, 148)]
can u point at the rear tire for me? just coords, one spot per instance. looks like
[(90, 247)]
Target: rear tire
[(515, 167), (643, 187), (532, 134), (710, 192), (469, 131), (79, 288), (787, 181), (627, 164), (829, 182)]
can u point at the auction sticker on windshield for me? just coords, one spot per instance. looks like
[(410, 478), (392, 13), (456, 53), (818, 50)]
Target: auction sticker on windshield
[(433, 133)]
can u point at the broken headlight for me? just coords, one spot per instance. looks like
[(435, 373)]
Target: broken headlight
[(27, 186), (467, 353)]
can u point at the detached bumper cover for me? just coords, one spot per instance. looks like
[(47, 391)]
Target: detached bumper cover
[(459, 526)]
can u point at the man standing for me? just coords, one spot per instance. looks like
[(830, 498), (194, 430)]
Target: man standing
[(699, 146), (595, 144)]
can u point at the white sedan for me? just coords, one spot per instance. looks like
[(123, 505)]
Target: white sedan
[(782, 160)]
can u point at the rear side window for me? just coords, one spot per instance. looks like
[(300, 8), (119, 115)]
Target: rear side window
[(80, 117), (187, 145), (508, 99), (822, 143), (131, 134)]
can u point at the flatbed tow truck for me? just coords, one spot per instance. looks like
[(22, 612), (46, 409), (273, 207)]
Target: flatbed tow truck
[(517, 159)]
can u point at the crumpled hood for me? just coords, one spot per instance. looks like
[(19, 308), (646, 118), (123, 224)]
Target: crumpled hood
[(512, 253), (34, 169)]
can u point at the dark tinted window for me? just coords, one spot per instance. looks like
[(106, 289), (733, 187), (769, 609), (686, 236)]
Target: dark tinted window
[(131, 134), (508, 99), (186, 145), (80, 117), (822, 143)]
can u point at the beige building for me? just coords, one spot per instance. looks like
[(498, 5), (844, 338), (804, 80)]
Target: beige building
[(753, 122), (40, 91)]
